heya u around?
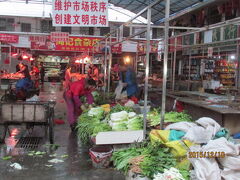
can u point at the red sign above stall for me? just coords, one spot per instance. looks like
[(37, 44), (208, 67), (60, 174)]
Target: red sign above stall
[(78, 44), (9, 38), (59, 36), (39, 39)]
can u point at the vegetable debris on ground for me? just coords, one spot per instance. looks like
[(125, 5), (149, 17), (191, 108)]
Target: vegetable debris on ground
[(7, 158)]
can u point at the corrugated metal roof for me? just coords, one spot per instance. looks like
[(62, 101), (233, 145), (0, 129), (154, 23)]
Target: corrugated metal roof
[(158, 11), (120, 12)]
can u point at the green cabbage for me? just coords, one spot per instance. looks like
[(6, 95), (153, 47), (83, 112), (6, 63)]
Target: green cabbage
[(101, 127), (120, 127), (97, 112), (119, 116), (135, 123)]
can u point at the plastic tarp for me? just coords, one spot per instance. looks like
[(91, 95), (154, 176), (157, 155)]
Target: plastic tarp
[(200, 132), (209, 168)]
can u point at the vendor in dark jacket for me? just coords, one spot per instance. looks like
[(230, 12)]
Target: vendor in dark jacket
[(128, 77), (25, 83)]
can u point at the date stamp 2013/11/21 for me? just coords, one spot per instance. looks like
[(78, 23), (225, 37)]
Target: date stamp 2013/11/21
[(208, 154)]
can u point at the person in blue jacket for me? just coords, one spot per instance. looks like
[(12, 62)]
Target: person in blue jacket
[(25, 83), (128, 77)]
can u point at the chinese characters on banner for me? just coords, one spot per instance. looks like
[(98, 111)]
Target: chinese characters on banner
[(142, 47), (88, 13), (59, 36), (40, 39), (79, 44), (8, 38)]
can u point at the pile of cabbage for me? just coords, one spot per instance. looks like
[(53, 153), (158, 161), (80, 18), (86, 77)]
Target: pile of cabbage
[(96, 120), (123, 121)]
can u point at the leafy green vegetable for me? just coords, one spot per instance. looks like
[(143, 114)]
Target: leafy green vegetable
[(100, 99), (102, 127), (135, 123), (177, 117), (85, 126), (7, 158), (119, 108), (154, 117), (97, 112), (156, 159), (120, 126)]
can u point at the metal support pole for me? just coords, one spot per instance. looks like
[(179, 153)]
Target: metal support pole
[(121, 33), (238, 64), (0, 62), (166, 37), (10, 58), (136, 63), (105, 68), (147, 71), (171, 67), (189, 69), (174, 64), (109, 64), (131, 30)]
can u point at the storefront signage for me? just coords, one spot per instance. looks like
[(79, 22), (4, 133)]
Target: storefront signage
[(142, 47), (73, 44), (91, 13), (78, 44), (40, 39), (9, 38), (59, 36)]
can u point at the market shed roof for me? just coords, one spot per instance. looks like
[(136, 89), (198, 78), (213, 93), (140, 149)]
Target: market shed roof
[(120, 10), (158, 11)]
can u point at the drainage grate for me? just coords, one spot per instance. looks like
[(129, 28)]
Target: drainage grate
[(28, 142)]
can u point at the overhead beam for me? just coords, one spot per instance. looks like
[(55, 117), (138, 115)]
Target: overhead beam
[(136, 16), (162, 27)]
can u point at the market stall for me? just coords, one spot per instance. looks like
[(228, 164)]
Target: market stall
[(224, 109)]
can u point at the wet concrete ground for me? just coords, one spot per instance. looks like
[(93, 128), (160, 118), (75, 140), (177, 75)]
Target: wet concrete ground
[(76, 163)]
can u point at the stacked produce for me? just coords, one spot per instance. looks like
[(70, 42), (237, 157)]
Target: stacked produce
[(154, 117), (149, 160), (90, 123), (122, 121), (104, 118)]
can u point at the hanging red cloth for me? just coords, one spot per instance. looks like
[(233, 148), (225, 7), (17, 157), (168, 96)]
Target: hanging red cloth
[(7, 61)]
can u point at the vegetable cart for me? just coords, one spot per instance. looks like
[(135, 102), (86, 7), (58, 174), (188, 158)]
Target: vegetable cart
[(31, 114)]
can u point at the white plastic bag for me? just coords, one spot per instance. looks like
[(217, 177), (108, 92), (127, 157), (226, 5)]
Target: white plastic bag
[(33, 99), (118, 90), (181, 126), (204, 132)]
